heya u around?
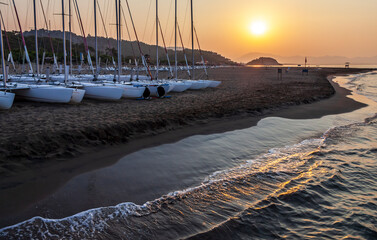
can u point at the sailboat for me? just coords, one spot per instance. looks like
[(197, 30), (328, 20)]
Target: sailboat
[(36, 92), (175, 85), (130, 90), (93, 90), (210, 83), (157, 89)]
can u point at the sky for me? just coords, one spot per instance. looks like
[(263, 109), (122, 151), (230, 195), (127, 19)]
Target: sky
[(293, 27)]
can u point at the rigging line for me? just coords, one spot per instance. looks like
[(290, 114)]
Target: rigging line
[(104, 25), (184, 51), (166, 50), (81, 25), (185, 18), (107, 17), (48, 30), (5, 31), (172, 36), (7, 12), (106, 8), (77, 17), (53, 19), (18, 36), (129, 35), (151, 38), (27, 15), (10, 57), (91, 22), (22, 35), (138, 42), (168, 19), (87, 17), (146, 22), (201, 53)]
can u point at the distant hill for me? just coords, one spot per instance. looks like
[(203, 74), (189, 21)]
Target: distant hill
[(130, 48), (263, 61), (321, 60)]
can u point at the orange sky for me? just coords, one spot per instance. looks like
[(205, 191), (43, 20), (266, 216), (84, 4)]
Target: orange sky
[(295, 27)]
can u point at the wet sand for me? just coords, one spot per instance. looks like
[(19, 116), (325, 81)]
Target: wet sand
[(45, 145)]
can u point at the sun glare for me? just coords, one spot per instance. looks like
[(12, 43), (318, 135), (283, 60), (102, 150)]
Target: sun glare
[(258, 28)]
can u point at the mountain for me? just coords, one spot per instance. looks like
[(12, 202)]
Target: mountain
[(263, 61), (130, 48), (322, 60)]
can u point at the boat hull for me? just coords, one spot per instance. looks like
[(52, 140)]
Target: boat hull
[(214, 84), (77, 96), (130, 91), (46, 93), (196, 85), (156, 90), (6, 100), (100, 92), (181, 86)]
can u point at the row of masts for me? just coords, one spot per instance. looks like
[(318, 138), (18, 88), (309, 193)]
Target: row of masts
[(68, 70)]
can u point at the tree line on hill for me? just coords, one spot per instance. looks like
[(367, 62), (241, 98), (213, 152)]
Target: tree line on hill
[(106, 47)]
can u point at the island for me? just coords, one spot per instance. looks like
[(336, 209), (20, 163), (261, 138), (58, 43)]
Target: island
[(264, 61)]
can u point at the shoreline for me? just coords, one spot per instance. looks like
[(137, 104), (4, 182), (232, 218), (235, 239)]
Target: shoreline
[(38, 143), (33, 185)]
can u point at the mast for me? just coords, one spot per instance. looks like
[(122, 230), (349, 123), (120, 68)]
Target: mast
[(2, 57), (64, 45), (36, 39), (117, 12), (120, 41), (116, 24), (95, 37), (70, 36), (192, 39), (22, 36), (175, 45), (157, 64)]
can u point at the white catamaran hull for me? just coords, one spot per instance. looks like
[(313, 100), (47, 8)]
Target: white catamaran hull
[(181, 86), (197, 84), (6, 100), (156, 90), (214, 83), (46, 93), (131, 91), (77, 96), (101, 92)]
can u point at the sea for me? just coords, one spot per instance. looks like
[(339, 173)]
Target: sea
[(283, 178)]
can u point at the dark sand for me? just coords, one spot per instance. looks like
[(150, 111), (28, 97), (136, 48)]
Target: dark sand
[(44, 145)]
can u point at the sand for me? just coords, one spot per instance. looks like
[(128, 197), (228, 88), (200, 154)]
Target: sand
[(42, 146)]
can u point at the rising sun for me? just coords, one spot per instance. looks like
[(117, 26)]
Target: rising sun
[(258, 28)]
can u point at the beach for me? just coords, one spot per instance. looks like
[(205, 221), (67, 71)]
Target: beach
[(37, 133), (45, 145)]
